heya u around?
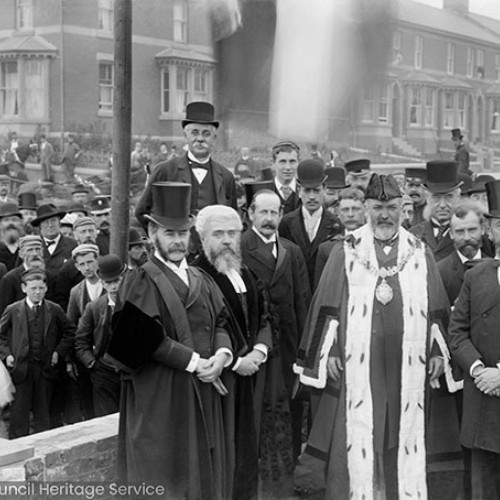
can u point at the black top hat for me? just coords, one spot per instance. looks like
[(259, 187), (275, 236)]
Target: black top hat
[(357, 167), (442, 176), (100, 204), (456, 133), (493, 194), (9, 210), (135, 238), (466, 181), (171, 205), (110, 267), (416, 173), (79, 188), (200, 112), (47, 211), (382, 187), (78, 207), (479, 183), (27, 201), (253, 187), (335, 178), (311, 173), (267, 174)]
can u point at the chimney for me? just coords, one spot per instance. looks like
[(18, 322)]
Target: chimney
[(460, 7)]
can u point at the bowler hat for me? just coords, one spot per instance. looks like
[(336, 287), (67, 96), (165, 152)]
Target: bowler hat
[(100, 205), (382, 187), (135, 238), (335, 178), (267, 174), (456, 133), (253, 187), (80, 188), (442, 176), (110, 267), (200, 112), (46, 211), (171, 205), (9, 210), (357, 167), (479, 183), (27, 201), (311, 173), (493, 194), (416, 173)]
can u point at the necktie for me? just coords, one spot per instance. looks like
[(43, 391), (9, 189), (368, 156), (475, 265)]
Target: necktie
[(35, 309), (271, 247), (286, 191), (194, 164), (49, 243)]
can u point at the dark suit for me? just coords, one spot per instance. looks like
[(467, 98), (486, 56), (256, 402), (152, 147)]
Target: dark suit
[(292, 228), (7, 257), (440, 249), (287, 283), (33, 379), (291, 203), (62, 252), (452, 272), (178, 170), (67, 277)]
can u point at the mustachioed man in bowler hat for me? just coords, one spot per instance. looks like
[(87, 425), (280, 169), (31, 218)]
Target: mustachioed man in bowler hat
[(211, 183), (184, 348), (367, 436)]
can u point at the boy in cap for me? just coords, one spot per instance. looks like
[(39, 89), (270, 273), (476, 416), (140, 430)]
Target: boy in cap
[(35, 337)]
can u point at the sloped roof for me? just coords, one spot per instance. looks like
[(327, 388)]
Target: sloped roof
[(451, 82), (30, 44), (185, 54), (444, 20), (421, 77)]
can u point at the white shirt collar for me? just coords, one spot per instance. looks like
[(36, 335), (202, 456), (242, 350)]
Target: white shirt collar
[(315, 216), (263, 238), (183, 265), (56, 239), (31, 304), (193, 158), (464, 259), (236, 280), (292, 185)]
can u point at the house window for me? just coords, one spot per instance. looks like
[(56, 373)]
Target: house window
[(106, 87), (183, 76), (495, 115), (383, 105), (450, 59), (180, 21), (368, 104), (9, 89), (419, 49), (497, 67), (200, 84), (480, 63), (34, 88), (106, 16), (470, 62), (448, 110), (24, 14), (462, 112), (396, 42), (429, 107), (415, 106), (165, 90)]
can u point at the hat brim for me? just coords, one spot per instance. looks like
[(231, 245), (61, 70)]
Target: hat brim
[(113, 276), (170, 223), (441, 188), (36, 222), (27, 208), (143, 241), (337, 187), (98, 212), (492, 215), (201, 122), (359, 173), (13, 214), (313, 184)]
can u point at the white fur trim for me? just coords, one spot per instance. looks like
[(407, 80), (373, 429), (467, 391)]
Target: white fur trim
[(329, 340)]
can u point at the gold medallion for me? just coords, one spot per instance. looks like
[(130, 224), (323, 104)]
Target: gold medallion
[(383, 292)]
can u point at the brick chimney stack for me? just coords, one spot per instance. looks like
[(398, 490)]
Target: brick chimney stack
[(458, 6)]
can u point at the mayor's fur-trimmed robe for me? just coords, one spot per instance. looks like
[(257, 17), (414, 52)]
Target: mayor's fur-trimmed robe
[(380, 400)]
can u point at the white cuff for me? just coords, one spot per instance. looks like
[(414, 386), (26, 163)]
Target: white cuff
[(476, 363), (191, 367), (225, 350), (263, 349), (237, 364)]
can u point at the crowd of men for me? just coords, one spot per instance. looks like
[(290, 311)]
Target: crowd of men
[(322, 320)]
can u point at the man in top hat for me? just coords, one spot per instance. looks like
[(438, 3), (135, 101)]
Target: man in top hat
[(334, 184), (27, 206), (80, 194), (477, 191), (93, 335), (372, 358), (461, 155), (285, 162), (443, 194), (11, 229), (475, 345), (137, 249), (358, 172), (181, 354), (310, 225), (57, 248), (211, 182), (279, 263), (5, 196), (414, 187)]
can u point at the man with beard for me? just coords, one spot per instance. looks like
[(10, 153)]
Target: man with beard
[(372, 357), (5, 196), (137, 249), (11, 229), (175, 429), (220, 229), (279, 263), (311, 224), (335, 183), (414, 188)]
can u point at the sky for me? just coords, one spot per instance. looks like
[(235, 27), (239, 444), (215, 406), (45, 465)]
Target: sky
[(489, 8)]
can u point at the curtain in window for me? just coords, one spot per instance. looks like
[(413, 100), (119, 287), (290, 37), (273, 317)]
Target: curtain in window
[(10, 88), (34, 94)]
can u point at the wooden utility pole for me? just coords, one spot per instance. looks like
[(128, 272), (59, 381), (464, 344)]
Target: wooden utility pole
[(122, 123)]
